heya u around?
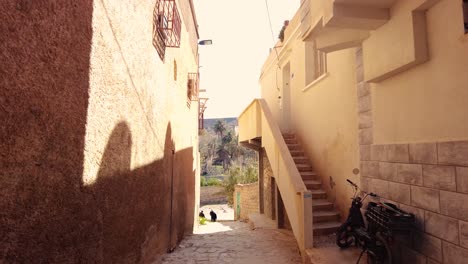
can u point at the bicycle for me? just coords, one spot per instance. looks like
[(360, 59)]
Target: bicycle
[(383, 220)]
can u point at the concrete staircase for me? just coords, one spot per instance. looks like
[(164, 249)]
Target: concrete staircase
[(326, 219)]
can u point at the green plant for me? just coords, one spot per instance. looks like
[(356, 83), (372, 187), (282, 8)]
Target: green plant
[(213, 182), (203, 181), (229, 184), (238, 176), (209, 182)]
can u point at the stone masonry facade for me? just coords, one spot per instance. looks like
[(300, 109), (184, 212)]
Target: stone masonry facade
[(248, 202), (429, 180), (268, 196)]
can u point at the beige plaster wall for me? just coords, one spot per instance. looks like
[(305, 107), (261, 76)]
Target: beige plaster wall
[(272, 92), (428, 102), (323, 116), (130, 84)]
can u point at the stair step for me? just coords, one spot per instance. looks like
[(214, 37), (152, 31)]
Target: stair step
[(289, 136), (290, 141), (301, 160), (321, 205), (294, 147), (296, 153), (318, 194), (304, 167), (313, 184), (308, 175), (326, 228), (326, 216)]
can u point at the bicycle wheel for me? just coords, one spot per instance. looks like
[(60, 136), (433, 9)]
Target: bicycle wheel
[(382, 253), (344, 237)]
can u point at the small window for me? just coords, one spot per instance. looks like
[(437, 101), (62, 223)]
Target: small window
[(175, 70), (315, 62), (465, 15), (192, 88)]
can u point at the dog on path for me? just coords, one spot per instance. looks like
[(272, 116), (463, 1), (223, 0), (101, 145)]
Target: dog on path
[(213, 216)]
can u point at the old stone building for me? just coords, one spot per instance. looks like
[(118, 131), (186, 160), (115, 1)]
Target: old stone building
[(378, 86), (99, 129)]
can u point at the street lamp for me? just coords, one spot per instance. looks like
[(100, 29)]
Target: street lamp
[(205, 42)]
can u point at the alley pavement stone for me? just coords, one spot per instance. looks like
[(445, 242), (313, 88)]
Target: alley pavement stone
[(235, 242)]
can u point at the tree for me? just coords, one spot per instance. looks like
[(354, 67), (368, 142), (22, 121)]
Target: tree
[(220, 128)]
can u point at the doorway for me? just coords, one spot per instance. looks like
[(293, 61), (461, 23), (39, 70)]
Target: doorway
[(286, 100)]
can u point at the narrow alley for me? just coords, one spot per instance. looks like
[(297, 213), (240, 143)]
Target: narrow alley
[(235, 242), (311, 131)]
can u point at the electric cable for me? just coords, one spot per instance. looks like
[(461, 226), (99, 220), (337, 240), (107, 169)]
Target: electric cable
[(274, 46)]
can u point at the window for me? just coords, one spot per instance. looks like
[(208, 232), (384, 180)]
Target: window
[(192, 88), (315, 62), (465, 15), (166, 26)]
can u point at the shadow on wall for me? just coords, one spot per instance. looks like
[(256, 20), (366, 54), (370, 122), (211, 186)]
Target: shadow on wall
[(136, 204), (46, 214), (45, 61)]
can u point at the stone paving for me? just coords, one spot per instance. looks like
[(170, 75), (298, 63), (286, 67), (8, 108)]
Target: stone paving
[(235, 242), (223, 211)]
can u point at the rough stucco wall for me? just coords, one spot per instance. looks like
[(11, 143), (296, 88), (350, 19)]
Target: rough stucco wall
[(45, 215), (94, 134), (249, 203)]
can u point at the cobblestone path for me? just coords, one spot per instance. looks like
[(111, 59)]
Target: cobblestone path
[(235, 242)]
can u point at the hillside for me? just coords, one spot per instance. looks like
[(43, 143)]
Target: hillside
[(209, 122)]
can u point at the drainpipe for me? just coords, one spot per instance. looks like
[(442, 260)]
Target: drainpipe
[(171, 248)]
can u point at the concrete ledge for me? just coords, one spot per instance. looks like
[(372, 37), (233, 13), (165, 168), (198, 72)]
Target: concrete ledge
[(333, 254)]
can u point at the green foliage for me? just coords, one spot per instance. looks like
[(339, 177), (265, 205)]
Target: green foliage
[(215, 170), (220, 127), (238, 175), (203, 181), (222, 155), (209, 182)]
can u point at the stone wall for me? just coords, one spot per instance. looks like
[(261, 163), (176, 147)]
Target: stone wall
[(248, 200), (212, 195), (427, 179), (268, 190), (97, 144)]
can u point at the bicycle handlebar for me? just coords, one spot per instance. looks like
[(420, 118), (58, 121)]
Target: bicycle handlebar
[(355, 185), (352, 183)]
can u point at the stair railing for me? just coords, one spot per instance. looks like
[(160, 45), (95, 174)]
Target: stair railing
[(257, 121)]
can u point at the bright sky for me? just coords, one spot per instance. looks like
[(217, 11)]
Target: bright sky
[(230, 68)]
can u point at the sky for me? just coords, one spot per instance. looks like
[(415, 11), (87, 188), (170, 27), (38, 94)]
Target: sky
[(230, 68)]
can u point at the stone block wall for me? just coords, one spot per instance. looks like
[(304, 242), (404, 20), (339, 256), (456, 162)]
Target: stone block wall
[(248, 202), (268, 190), (429, 180)]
